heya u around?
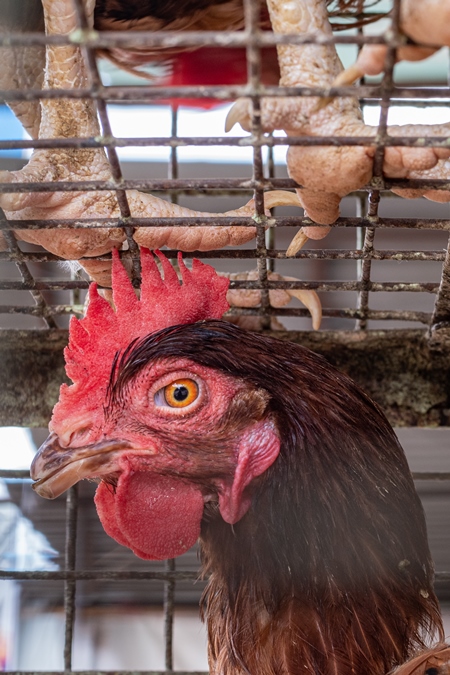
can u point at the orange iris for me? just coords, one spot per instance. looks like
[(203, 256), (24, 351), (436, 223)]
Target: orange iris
[(180, 393)]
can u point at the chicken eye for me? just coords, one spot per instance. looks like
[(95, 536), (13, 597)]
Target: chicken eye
[(180, 393)]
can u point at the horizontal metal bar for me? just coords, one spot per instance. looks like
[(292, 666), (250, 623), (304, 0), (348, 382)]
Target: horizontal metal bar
[(98, 575), (202, 185), (165, 185), (19, 474), (221, 93), (431, 475), (415, 102), (176, 39), (224, 141), (442, 577), (343, 313), (35, 310), (43, 285), (251, 254), (223, 221), (366, 101)]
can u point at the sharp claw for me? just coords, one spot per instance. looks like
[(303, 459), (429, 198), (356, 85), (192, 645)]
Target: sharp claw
[(344, 79), (238, 114), (312, 302), (348, 76), (297, 243), (277, 298), (280, 198)]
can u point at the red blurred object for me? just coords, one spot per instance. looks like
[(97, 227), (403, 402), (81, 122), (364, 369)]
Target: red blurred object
[(214, 66)]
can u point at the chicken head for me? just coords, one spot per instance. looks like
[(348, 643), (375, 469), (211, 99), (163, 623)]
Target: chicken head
[(138, 430)]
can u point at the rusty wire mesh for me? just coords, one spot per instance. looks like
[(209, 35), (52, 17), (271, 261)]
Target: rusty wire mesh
[(361, 231), (365, 224)]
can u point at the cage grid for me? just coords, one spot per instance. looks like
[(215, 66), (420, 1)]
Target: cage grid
[(366, 224)]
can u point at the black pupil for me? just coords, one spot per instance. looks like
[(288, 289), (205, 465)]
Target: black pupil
[(181, 393)]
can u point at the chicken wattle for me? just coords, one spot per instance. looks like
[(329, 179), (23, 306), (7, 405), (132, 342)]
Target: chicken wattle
[(157, 517)]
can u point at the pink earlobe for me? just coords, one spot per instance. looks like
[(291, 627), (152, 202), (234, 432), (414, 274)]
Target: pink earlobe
[(258, 449)]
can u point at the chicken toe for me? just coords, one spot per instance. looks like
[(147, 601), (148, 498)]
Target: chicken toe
[(277, 297), (426, 22)]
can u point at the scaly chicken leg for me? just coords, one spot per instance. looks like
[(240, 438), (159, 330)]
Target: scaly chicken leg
[(329, 173), (68, 118), (22, 67)]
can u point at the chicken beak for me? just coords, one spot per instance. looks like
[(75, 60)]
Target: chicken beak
[(55, 468)]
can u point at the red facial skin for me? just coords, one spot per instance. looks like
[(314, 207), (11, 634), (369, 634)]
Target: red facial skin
[(161, 481)]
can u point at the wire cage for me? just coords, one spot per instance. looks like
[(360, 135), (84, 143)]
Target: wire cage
[(383, 274)]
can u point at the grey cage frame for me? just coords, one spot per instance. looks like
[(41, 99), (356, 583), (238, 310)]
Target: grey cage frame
[(421, 355)]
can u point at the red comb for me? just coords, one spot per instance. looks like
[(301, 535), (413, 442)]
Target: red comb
[(95, 339)]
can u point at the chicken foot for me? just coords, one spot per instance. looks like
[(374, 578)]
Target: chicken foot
[(70, 118), (277, 298), (426, 22), (329, 173)]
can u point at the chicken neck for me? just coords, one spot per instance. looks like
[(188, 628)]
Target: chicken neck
[(329, 570)]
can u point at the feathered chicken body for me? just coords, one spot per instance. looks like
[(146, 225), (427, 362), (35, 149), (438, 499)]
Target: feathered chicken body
[(310, 528)]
